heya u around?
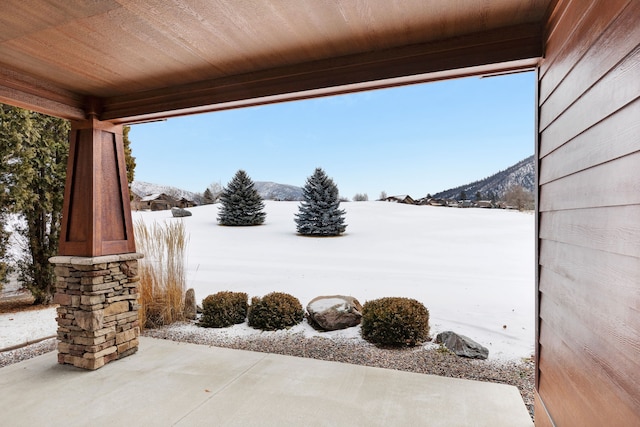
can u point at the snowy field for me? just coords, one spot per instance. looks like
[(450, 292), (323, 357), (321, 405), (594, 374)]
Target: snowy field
[(472, 268)]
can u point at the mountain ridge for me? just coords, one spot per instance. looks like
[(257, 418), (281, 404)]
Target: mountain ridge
[(268, 191), (522, 174)]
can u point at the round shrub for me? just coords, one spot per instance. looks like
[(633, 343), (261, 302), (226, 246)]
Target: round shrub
[(223, 309), (276, 310), (395, 321)]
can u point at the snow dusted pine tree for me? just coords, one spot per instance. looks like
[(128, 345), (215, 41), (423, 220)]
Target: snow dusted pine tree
[(320, 214), (241, 203)]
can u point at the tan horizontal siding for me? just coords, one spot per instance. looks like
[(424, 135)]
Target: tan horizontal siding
[(619, 87), (570, 36), (596, 63), (591, 325), (616, 136), (589, 215), (609, 229), (591, 268), (564, 376), (613, 183)]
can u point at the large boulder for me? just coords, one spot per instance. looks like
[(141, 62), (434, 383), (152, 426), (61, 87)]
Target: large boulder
[(179, 212), (334, 312), (461, 345), (190, 308)]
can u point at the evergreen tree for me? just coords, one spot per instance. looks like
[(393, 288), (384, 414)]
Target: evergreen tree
[(463, 195), (212, 193), (129, 160), (10, 142), (241, 203), (207, 197), (35, 179), (4, 241), (319, 213)]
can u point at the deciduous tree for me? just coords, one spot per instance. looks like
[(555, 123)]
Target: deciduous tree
[(519, 198)]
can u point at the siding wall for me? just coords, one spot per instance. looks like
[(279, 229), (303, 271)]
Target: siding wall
[(589, 216)]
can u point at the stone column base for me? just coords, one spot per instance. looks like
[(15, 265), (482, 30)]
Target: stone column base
[(98, 313)]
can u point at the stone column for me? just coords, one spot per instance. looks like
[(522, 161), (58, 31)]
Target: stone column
[(98, 313), (97, 267)]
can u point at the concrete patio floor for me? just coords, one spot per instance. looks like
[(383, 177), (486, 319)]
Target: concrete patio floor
[(168, 383)]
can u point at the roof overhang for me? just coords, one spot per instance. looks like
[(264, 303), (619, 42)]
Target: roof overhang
[(138, 60)]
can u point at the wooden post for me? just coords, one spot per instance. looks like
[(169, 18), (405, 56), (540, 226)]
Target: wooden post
[(96, 216)]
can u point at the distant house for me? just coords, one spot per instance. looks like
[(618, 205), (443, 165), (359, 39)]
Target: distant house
[(135, 201), (158, 202), (487, 204), (430, 201), (186, 203), (406, 199)]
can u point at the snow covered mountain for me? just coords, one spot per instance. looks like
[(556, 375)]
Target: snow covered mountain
[(143, 189), (522, 173), (275, 191), (267, 190)]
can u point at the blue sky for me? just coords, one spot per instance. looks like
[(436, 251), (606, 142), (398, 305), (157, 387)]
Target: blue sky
[(413, 140)]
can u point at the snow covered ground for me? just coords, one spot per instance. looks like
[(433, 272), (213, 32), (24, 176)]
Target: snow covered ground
[(472, 268)]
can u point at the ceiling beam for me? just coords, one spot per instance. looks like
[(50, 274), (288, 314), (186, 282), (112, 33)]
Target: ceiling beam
[(35, 94), (505, 49)]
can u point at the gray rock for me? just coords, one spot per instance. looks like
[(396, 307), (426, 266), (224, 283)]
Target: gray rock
[(190, 304), (462, 345), (334, 312), (179, 212)]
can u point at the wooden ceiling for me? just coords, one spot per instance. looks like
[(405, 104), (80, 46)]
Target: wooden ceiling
[(133, 60)]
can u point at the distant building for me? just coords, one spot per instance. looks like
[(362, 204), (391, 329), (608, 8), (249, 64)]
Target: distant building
[(186, 203), (406, 199), (157, 202), (487, 204)]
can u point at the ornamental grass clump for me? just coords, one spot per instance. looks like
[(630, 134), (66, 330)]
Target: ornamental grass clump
[(224, 309), (274, 311), (162, 272), (395, 321)]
